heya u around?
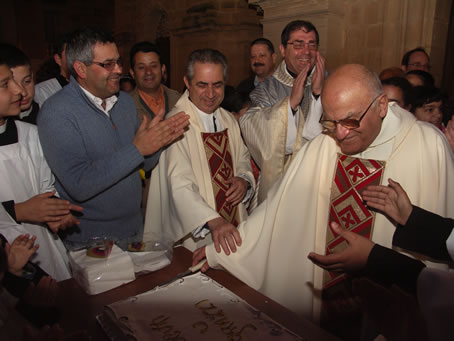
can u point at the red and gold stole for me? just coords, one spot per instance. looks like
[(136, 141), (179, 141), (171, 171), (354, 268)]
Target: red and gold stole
[(349, 211), (219, 158)]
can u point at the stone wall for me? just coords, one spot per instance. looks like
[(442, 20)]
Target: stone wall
[(375, 33), (35, 25), (372, 32), (226, 25)]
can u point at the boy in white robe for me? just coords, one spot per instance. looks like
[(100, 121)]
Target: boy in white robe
[(27, 195)]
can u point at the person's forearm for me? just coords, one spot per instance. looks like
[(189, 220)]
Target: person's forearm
[(425, 232), (388, 267), (83, 178)]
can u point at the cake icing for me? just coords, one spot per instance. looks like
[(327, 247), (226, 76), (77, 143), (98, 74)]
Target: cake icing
[(193, 308)]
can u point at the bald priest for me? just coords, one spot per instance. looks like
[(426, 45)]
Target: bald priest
[(367, 141)]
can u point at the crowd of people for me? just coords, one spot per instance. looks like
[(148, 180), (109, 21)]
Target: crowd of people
[(298, 181)]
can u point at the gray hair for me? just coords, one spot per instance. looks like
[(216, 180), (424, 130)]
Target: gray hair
[(205, 56), (81, 44), (374, 84)]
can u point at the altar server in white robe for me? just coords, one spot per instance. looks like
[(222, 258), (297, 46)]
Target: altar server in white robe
[(27, 184), (203, 181), (369, 141)]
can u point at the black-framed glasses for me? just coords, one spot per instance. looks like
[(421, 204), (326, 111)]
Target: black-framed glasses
[(301, 44), (349, 123), (110, 65)]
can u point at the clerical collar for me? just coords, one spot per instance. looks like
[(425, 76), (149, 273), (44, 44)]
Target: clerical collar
[(8, 133), (290, 72), (110, 101), (389, 127), (294, 75), (211, 122)]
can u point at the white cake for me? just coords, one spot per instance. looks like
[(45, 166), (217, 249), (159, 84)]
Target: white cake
[(193, 308)]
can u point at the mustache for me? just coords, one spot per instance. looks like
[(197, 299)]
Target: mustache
[(258, 64)]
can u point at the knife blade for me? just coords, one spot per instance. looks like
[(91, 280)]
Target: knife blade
[(189, 271)]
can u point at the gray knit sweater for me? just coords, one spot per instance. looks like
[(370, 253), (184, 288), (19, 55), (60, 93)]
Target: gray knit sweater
[(95, 163)]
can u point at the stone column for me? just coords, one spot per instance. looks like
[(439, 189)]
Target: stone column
[(228, 26), (136, 20)]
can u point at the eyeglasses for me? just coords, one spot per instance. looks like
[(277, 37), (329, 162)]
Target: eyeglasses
[(420, 66), (349, 123), (300, 44), (110, 65)]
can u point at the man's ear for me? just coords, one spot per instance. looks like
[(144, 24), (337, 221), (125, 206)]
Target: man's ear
[(186, 82), (383, 102), (282, 48), (163, 69), (403, 68), (81, 69), (57, 59), (131, 72)]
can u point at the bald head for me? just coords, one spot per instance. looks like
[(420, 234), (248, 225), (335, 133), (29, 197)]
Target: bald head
[(352, 78), (352, 92)]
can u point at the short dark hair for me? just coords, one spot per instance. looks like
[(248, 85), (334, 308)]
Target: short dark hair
[(424, 95), (404, 85), (406, 57), (127, 79), (143, 46), (205, 56), (12, 56), (234, 100), (263, 41), (81, 45), (295, 26), (426, 77), (59, 45)]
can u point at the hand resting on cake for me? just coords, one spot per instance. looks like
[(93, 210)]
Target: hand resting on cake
[(197, 256), (224, 235)]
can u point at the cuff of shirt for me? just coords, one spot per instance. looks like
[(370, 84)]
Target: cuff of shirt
[(201, 231), (249, 192), (9, 208)]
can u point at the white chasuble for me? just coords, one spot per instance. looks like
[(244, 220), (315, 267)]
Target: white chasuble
[(181, 196), (280, 233)]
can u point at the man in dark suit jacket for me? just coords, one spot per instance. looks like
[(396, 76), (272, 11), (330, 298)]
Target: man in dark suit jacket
[(263, 59)]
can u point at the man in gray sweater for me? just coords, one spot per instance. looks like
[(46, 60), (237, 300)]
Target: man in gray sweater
[(95, 143)]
